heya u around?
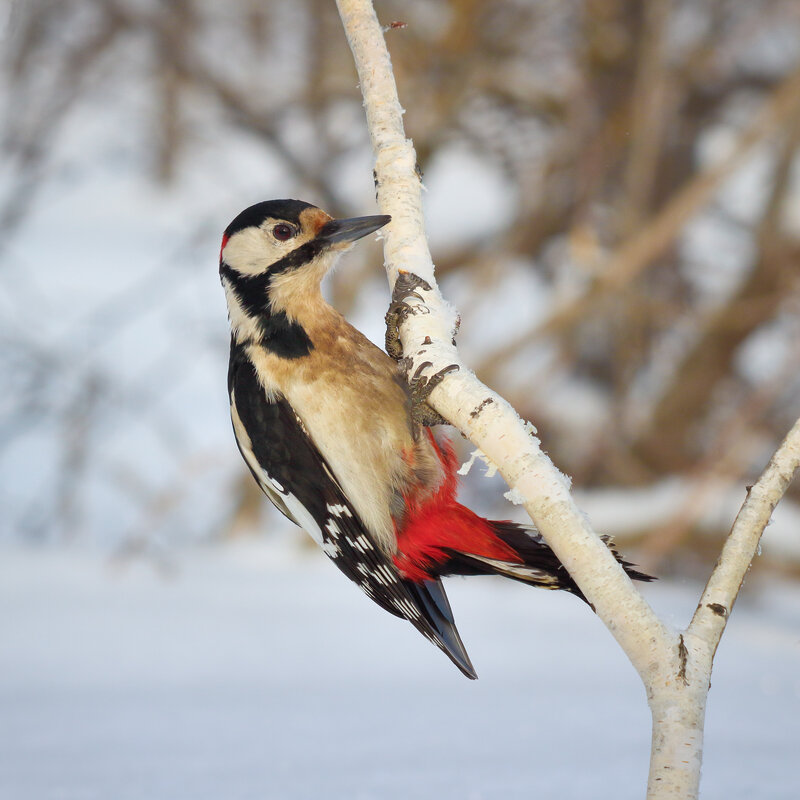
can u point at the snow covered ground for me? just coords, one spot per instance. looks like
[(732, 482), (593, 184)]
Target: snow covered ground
[(257, 671)]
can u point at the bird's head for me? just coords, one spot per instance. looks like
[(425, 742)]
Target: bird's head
[(282, 248), (286, 235)]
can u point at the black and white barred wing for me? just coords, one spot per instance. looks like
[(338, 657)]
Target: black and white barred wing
[(297, 479)]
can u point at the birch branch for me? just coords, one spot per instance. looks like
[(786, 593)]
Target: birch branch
[(742, 544), (480, 414)]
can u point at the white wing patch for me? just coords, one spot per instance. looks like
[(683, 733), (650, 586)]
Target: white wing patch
[(403, 605), (304, 518), (271, 488), (339, 510), (331, 546), (288, 503)]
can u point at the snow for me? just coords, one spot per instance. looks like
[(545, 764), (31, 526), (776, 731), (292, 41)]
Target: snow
[(257, 671)]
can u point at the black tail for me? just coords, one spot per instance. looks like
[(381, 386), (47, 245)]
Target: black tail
[(540, 566), (437, 623)]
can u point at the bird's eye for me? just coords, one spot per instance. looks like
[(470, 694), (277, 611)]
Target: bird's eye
[(283, 232)]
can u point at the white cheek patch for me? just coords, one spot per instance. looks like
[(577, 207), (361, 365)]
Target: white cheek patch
[(251, 251)]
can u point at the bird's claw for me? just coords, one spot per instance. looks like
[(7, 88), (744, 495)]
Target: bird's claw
[(404, 288), (421, 388)]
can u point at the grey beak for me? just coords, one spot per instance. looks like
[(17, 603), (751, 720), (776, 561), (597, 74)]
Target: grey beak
[(348, 230)]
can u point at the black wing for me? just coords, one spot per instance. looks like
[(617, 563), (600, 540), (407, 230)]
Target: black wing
[(294, 475)]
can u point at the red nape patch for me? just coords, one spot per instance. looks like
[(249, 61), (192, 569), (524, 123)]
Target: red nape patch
[(441, 524), (222, 246)]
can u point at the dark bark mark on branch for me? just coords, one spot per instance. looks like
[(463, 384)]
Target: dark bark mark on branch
[(683, 655), (718, 609), (476, 412)]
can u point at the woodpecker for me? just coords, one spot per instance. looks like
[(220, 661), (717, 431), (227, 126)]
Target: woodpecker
[(325, 422)]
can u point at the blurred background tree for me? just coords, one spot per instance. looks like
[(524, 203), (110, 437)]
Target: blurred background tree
[(614, 207)]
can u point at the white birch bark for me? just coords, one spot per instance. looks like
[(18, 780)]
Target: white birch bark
[(675, 667)]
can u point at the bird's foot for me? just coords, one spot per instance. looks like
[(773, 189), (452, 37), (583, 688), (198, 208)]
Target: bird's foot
[(404, 288), (421, 388)]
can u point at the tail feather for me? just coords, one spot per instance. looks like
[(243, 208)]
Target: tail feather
[(435, 607), (537, 564)]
